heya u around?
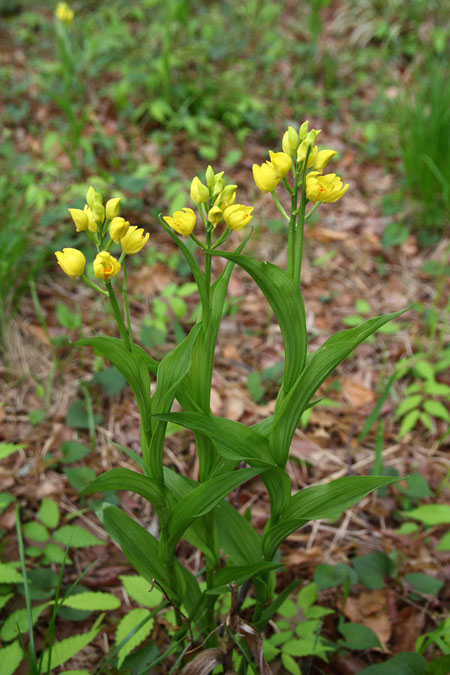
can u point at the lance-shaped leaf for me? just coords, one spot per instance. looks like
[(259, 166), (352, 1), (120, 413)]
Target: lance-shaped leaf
[(279, 488), (124, 479), (287, 415), (232, 439), (286, 300), (239, 574), (202, 500), (237, 537), (320, 501)]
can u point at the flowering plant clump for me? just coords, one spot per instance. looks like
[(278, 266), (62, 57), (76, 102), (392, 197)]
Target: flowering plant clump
[(229, 453)]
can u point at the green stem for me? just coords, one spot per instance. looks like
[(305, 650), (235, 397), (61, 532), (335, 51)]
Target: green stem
[(312, 212), (92, 285), (278, 205), (208, 274), (301, 224), (118, 314), (292, 230), (223, 237), (126, 303), (197, 241), (32, 648)]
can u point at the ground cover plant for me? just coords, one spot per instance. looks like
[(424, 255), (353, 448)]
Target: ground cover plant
[(358, 71)]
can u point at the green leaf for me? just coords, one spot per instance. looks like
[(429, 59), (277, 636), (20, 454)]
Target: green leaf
[(7, 449), (111, 380), (424, 370), (237, 537), (9, 574), (4, 599), (80, 476), (444, 544), (17, 622), (405, 663), (239, 574), (65, 649), (124, 479), (92, 601), (76, 536), (276, 603), (373, 568), (54, 554), (330, 576), (127, 624), (76, 672), (233, 439), (5, 500), (203, 499), (290, 664), (410, 403), (11, 657), (307, 596), (35, 532), (286, 300), (408, 423), (424, 583), (358, 636), (49, 513), (288, 609), (322, 362), (431, 514), (74, 451), (437, 409), (318, 502), (417, 487), (141, 591), (77, 416)]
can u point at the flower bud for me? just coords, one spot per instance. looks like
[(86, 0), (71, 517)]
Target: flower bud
[(322, 159), (237, 216), (182, 221), (71, 261), (106, 266), (118, 228), (64, 12), (90, 197), (215, 215), (311, 136), (265, 177), (219, 184), (303, 151), (226, 197), (290, 141), (92, 225), (199, 192), (281, 163), (303, 131), (80, 219), (209, 175), (98, 211), (134, 240), (112, 208)]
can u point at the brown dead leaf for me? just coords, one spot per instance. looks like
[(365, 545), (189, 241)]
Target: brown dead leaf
[(407, 629), (356, 394), (370, 609), (234, 405), (216, 402), (301, 556), (325, 235), (35, 331)]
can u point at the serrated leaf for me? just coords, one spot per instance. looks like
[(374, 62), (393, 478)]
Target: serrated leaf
[(92, 601), (318, 366), (49, 513), (17, 622), (76, 537), (138, 589), (11, 657), (35, 532), (431, 514), (124, 479), (437, 409), (126, 625), (65, 649), (7, 449), (9, 574)]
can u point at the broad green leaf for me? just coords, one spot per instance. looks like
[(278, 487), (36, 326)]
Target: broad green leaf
[(286, 300), (126, 626), (307, 596), (93, 601), (330, 576), (290, 664), (65, 649), (49, 513), (7, 449), (424, 583), (239, 574), (322, 362), (9, 574), (237, 537), (17, 622), (76, 536), (124, 479), (74, 451), (54, 554), (373, 568), (35, 531), (405, 663), (233, 439), (431, 514), (358, 636), (321, 501), (279, 488), (203, 499), (444, 544), (11, 657), (141, 591), (79, 476)]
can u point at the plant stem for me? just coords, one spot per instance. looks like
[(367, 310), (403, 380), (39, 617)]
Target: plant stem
[(292, 230), (92, 285), (32, 648), (126, 303), (279, 206), (118, 314), (301, 224)]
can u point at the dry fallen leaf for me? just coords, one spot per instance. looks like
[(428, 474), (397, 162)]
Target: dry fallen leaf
[(355, 393), (371, 609)]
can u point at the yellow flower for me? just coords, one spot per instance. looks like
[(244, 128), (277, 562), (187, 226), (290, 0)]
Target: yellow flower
[(112, 208), (80, 219), (322, 158), (215, 215), (199, 192), (92, 225), (134, 240), (118, 228), (71, 261), (326, 188), (281, 163), (227, 197), (302, 151), (237, 216), (182, 221), (265, 177), (290, 141), (106, 266), (64, 13)]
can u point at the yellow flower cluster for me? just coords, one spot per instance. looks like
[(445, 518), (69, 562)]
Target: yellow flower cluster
[(215, 202), (94, 219), (64, 12), (300, 147)]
